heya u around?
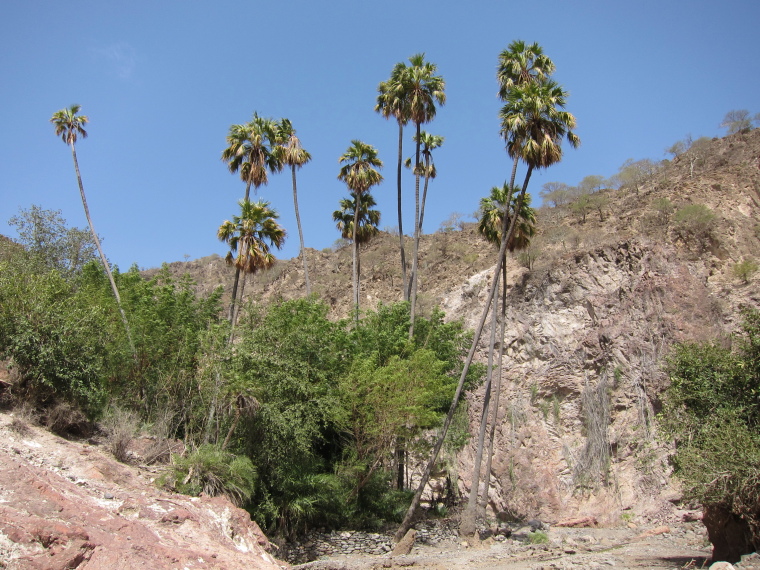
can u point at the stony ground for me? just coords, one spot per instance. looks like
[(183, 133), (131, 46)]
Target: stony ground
[(678, 546)]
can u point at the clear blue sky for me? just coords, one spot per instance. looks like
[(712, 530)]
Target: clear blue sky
[(162, 82)]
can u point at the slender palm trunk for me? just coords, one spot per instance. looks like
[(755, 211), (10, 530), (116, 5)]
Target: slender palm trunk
[(506, 235), (467, 523), (424, 191), (356, 257), (234, 319), (400, 225), (497, 389), (300, 232), (417, 228), (102, 255), (237, 272)]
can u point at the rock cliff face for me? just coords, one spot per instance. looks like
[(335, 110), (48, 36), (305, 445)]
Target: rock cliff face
[(588, 330)]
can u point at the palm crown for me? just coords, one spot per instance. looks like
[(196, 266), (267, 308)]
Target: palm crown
[(492, 209), (534, 123), (521, 63), (69, 125), (368, 219), (359, 163), (250, 236), (250, 151)]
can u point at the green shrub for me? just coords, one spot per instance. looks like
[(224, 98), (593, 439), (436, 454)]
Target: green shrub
[(694, 221), (538, 537), (745, 269), (712, 410), (213, 471)]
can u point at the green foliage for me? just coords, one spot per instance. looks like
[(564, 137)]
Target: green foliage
[(581, 206), (712, 410), (745, 269), (52, 244), (55, 336), (664, 208), (538, 537), (694, 221), (212, 471), (739, 120)]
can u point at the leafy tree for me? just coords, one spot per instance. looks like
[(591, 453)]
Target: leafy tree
[(697, 153), (599, 202), (290, 152), (556, 193), (45, 235), (738, 120), (360, 162), (250, 236), (251, 152), (592, 183), (69, 125), (581, 206), (55, 336), (633, 174), (694, 222)]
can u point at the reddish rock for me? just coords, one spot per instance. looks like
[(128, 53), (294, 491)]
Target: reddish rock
[(69, 505)]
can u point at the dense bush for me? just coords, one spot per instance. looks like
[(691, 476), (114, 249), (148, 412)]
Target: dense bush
[(712, 409)]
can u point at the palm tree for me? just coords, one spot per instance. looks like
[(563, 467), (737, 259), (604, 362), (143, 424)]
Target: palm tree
[(359, 172), (250, 237), (250, 152), (493, 208), (393, 101), (425, 90), (69, 125), (521, 64), (290, 152), (369, 220), (534, 126)]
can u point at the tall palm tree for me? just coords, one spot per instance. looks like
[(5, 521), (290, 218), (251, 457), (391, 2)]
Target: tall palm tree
[(250, 237), (69, 125), (519, 65), (250, 152), (536, 140), (369, 221), (359, 172), (493, 208), (393, 101), (291, 153), (425, 90)]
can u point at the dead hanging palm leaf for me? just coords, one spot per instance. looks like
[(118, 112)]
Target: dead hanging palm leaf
[(243, 405)]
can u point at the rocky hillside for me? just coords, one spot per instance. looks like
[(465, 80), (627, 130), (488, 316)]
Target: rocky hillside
[(589, 325)]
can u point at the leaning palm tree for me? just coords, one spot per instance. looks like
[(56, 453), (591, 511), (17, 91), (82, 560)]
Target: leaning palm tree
[(425, 90), (290, 152), (69, 125), (359, 172), (250, 237), (393, 101), (250, 153), (539, 131)]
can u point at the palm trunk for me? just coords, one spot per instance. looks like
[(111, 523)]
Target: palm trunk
[(237, 269), (400, 225), (356, 257), (497, 389), (506, 235), (467, 523), (415, 252), (234, 317), (300, 233), (102, 255)]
